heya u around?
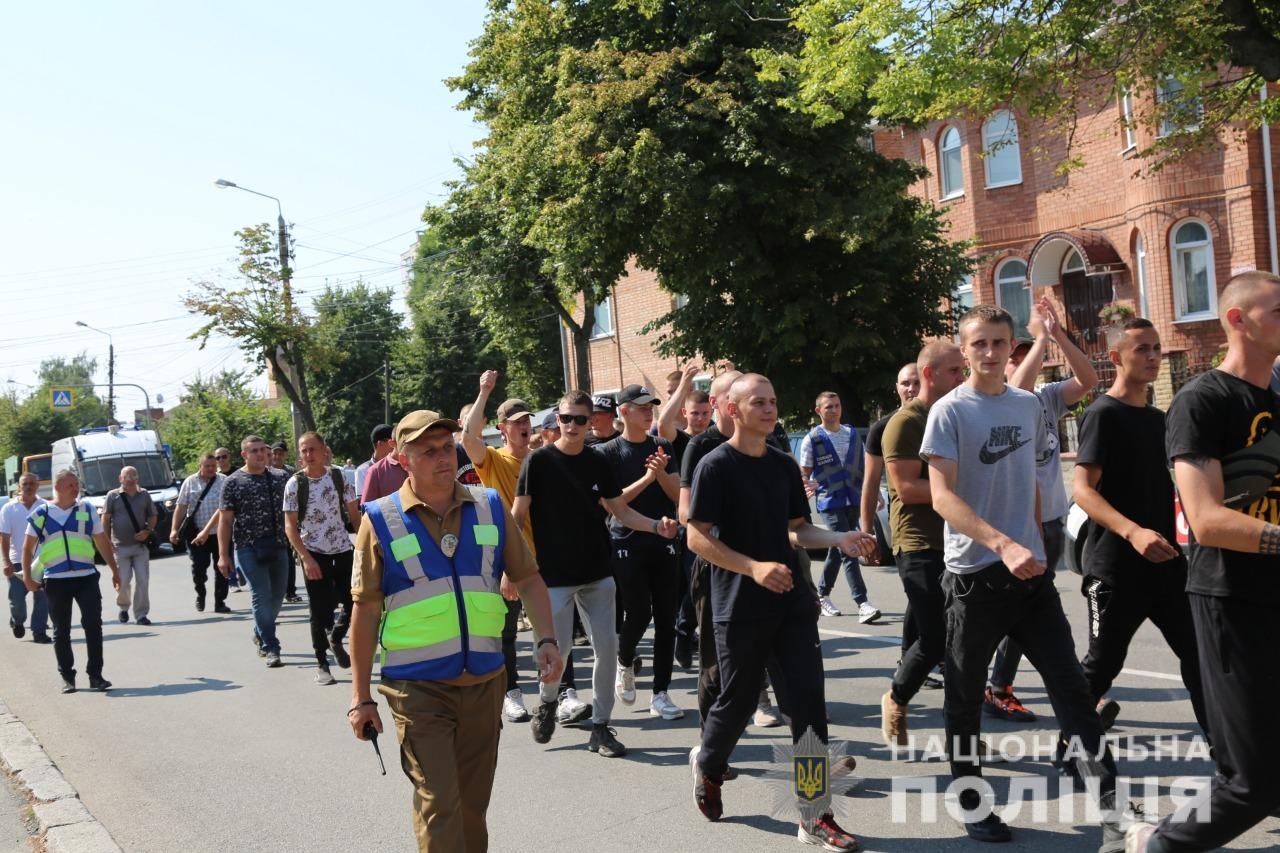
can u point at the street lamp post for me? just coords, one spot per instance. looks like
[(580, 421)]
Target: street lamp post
[(286, 292), (111, 370)]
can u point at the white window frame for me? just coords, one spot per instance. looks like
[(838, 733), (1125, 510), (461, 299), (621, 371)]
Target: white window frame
[(962, 290), (1126, 118), (1176, 251), (944, 173), (1066, 262), (1172, 85), (603, 330), (1140, 265), (1006, 145), (1001, 279)]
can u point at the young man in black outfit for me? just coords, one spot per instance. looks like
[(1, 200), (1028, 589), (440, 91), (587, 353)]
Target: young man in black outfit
[(1220, 435), (1133, 571), (747, 514), (645, 566)]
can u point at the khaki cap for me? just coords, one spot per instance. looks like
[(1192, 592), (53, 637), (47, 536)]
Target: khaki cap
[(413, 425)]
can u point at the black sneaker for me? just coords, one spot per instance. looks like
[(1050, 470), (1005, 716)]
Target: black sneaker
[(706, 791), (97, 682), (637, 665), (41, 638), (1108, 710), (339, 653), (124, 616), (142, 620), (18, 630), (543, 722), (199, 603), (603, 742), (293, 599), (991, 829), (68, 685), (931, 683), (221, 608)]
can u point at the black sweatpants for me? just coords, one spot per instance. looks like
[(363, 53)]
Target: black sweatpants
[(743, 650), (202, 558), (982, 608), (509, 644), (647, 571), (921, 573), (1116, 613), (85, 593), (332, 589), (1237, 641)]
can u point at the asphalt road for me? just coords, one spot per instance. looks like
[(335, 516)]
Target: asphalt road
[(199, 747)]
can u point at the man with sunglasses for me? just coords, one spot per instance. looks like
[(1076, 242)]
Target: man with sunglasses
[(201, 494), (561, 489)]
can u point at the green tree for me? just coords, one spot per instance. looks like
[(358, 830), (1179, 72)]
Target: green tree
[(361, 329), (30, 426), (218, 412), (1051, 59), (623, 129), (260, 314)]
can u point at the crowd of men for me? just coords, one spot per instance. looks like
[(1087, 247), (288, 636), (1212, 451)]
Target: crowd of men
[(608, 516)]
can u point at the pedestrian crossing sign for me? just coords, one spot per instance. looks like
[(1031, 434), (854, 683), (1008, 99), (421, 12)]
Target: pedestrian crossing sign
[(59, 399)]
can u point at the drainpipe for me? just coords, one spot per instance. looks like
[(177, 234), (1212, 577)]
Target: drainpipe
[(1271, 189)]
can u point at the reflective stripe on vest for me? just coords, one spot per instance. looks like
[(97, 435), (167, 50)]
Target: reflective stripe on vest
[(839, 481), (442, 615), (65, 549)]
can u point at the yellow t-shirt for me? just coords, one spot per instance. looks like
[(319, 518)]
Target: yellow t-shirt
[(499, 471)]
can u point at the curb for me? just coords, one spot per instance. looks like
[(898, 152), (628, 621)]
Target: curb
[(66, 826)]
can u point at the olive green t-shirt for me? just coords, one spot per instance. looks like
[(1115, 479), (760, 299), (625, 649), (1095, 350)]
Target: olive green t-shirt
[(915, 527)]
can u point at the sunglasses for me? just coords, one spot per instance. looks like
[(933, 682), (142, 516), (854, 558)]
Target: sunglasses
[(580, 420)]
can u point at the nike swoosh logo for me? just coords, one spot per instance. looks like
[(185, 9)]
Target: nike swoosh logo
[(990, 457)]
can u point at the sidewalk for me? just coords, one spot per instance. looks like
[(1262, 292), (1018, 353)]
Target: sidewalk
[(13, 827)]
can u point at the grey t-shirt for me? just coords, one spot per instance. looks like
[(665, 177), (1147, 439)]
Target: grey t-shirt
[(995, 441), (122, 529), (1053, 495)]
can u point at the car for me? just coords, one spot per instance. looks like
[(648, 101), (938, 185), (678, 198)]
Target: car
[(1076, 533)]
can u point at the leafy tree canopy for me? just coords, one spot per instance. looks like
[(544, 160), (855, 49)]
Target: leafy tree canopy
[(28, 425), (218, 412), (918, 60)]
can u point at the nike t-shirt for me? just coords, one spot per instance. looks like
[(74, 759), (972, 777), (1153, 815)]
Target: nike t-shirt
[(995, 440)]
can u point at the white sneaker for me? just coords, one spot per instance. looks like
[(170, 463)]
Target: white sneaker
[(513, 706), (663, 707), (625, 685), (571, 708), (828, 606), (765, 718), (867, 613)]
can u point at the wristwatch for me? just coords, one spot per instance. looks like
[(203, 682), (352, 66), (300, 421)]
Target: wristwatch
[(544, 641)]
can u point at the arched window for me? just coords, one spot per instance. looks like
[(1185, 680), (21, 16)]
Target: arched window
[(1195, 294), (1001, 154), (1073, 262), (950, 170), (1012, 294)]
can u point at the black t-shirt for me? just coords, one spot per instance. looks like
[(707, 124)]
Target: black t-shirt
[(592, 441), (627, 459), (568, 522), (1127, 443), (467, 475), (679, 445), (699, 446), (874, 435), (1220, 416), (751, 501)]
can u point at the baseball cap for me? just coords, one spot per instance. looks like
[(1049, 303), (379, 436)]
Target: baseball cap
[(413, 425), (382, 432), (513, 409), (1019, 343), (604, 403), (637, 394), (280, 445), (550, 421)]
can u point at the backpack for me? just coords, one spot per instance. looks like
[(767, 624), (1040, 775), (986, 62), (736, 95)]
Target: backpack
[(304, 490)]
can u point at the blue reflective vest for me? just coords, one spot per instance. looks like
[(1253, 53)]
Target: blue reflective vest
[(66, 550), (442, 616), (839, 480)]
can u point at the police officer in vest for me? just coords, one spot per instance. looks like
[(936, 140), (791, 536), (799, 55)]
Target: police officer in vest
[(64, 533), (427, 565)]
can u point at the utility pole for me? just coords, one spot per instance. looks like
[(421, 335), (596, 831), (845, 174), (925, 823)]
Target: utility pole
[(111, 383), (386, 392)]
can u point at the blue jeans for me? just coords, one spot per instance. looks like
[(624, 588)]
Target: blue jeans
[(267, 570), (18, 604), (842, 520)]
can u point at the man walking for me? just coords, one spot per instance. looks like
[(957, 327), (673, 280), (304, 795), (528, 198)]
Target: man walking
[(13, 532), (383, 444), (130, 515), (198, 500), (831, 455), (319, 508), (280, 460), (427, 570), (1221, 434), (561, 489), (251, 522), (58, 552), (747, 514)]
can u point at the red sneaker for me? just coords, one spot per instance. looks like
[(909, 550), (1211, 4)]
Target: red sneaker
[(1006, 706), (828, 835)]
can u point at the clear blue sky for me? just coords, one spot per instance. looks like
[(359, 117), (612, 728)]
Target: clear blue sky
[(115, 119)]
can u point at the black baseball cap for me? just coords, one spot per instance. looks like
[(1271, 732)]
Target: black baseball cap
[(604, 403), (280, 445), (382, 432), (637, 394)]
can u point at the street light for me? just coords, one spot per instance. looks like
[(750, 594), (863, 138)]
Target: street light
[(111, 369), (286, 293)]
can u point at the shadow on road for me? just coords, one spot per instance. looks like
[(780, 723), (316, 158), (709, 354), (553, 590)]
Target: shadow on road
[(196, 685)]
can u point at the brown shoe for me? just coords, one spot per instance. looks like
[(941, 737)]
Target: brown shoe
[(893, 721)]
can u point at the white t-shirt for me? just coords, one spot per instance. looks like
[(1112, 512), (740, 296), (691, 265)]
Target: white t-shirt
[(13, 520), (839, 440)]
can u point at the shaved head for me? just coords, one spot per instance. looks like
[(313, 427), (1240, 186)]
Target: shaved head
[(744, 384), (721, 384), (933, 352), (1243, 291)]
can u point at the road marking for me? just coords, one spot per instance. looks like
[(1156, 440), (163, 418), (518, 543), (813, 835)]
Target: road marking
[(897, 641)]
